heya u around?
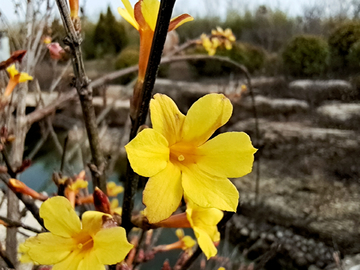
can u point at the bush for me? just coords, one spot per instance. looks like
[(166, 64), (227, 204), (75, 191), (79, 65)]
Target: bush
[(252, 57), (340, 42), (305, 56), (127, 58), (353, 57)]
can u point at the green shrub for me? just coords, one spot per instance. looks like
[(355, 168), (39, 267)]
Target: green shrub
[(340, 42), (252, 57), (353, 57), (127, 58), (305, 56)]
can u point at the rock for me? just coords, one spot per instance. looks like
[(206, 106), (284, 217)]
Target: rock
[(317, 91), (340, 115)]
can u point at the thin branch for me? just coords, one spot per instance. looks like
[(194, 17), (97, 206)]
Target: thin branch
[(73, 40), (6, 258), (14, 223), (39, 114), (29, 203)]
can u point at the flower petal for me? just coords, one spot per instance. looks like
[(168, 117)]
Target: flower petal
[(150, 10), (91, 262), (46, 248), (25, 77), (204, 223), (59, 217), (229, 154), (128, 17), (206, 244), (166, 118), (71, 262), (209, 190), (179, 20), (162, 194), (111, 245), (204, 117), (12, 71), (148, 152), (92, 222)]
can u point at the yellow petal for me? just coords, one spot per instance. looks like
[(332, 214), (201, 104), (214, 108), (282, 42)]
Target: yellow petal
[(166, 118), (188, 242), (209, 190), (204, 223), (206, 244), (72, 261), (204, 117), (229, 154), (113, 190), (46, 248), (128, 17), (148, 152), (12, 71), (25, 77), (92, 221), (111, 245), (179, 20), (59, 217), (91, 262), (150, 10), (162, 194)]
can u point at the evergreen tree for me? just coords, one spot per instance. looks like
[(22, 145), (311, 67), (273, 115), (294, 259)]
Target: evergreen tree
[(109, 36)]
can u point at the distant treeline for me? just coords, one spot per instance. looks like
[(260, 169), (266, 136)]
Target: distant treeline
[(268, 41)]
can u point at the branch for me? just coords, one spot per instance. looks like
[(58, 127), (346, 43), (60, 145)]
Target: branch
[(39, 114), (84, 90), (29, 203), (13, 223), (161, 29)]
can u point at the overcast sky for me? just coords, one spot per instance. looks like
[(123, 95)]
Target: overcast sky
[(193, 7)]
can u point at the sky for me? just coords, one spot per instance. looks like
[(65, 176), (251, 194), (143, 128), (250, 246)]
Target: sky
[(193, 7)]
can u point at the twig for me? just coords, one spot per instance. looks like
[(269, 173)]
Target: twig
[(43, 112), (192, 259), (29, 203), (161, 29), (6, 258), (13, 223), (84, 90)]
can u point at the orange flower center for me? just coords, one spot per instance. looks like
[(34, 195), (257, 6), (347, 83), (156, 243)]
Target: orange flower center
[(183, 153), (84, 242)]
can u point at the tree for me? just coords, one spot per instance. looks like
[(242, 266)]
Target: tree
[(110, 36)]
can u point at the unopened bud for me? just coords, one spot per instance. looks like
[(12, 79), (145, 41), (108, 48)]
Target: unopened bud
[(101, 201)]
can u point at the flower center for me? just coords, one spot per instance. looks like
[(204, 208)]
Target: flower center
[(184, 153), (85, 242)]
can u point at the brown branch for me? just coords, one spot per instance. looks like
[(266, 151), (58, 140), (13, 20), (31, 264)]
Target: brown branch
[(13, 223), (39, 114), (29, 203), (81, 82), (6, 258)]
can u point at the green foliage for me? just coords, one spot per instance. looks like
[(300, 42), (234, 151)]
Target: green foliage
[(305, 55), (194, 29), (353, 57), (127, 58), (88, 48), (252, 57), (109, 36), (340, 42)]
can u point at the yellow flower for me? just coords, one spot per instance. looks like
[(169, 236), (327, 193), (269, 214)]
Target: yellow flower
[(143, 17), (15, 78), (179, 160), (114, 206), (185, 243), (74, 245), (204, 223), (113, 190)]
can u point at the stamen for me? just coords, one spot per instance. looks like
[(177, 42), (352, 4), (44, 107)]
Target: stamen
[(181, 158), (81, 245)]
